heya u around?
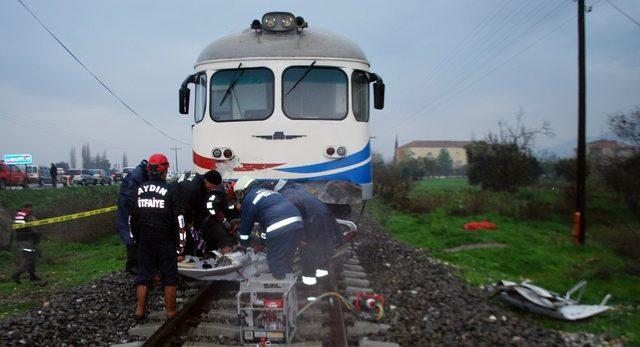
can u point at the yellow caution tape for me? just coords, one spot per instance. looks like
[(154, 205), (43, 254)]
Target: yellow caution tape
[(65, 218)]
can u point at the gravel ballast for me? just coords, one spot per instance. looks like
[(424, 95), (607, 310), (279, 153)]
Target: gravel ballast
[(427, 305)]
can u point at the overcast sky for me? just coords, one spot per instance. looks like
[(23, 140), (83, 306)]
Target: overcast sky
[(453, 69)]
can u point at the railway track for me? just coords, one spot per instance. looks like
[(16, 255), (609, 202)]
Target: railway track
[(209, 316)]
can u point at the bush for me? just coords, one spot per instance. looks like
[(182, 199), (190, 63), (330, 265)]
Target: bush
[(621, 176), (499, 166)]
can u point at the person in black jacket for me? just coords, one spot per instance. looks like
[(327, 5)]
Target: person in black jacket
[(128, 189), (194, 191), (53, 171), (156, 223), (28, 241)]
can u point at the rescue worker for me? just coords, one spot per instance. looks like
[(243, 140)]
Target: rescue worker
[(28, 241), (320, 230), (195, 190), (53, 171), (279, 219), (128, 189), (155, 222), (217, 230)]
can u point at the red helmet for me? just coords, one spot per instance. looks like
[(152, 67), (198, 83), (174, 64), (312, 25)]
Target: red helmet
[(158, 163)]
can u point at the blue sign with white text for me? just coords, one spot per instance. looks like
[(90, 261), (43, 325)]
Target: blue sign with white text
[(18, 159)]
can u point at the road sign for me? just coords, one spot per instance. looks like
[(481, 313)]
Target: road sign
[(19, 159)]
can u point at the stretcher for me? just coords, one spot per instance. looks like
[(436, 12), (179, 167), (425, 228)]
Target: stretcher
[(234, 266)]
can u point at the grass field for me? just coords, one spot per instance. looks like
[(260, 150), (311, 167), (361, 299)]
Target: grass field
[(74, 252), (537, 249)]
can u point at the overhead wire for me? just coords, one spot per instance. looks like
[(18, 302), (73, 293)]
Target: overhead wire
[(103, 84), (458, 48), (464, 78), (624, 13)]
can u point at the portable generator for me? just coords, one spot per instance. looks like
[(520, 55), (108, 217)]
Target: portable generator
[(267, 309)]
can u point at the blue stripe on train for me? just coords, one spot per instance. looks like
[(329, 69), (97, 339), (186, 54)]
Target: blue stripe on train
[(355, 158), (358, 175)]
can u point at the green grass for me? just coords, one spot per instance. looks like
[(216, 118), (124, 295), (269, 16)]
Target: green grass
[(46, 202), (65, 262), (63, 265), (541, 251)]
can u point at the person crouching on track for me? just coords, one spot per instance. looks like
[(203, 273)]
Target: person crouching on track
[(193, 190), (279, 219), (155, 222), (217, 230), (28, 240), (320, 230)]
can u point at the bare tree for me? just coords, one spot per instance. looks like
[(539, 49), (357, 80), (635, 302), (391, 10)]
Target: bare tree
[(72, 157), (519, 134), (627, 126)]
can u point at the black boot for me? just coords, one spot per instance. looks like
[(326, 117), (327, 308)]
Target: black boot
[(16, 277), (33, 277)]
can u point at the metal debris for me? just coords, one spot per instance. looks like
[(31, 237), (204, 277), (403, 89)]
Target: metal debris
[(539, 300)]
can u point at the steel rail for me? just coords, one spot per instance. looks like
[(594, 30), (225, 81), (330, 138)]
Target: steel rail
[(338, 325), (174, 327)]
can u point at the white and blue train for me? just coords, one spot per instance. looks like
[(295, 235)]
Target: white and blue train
[(282, 100)]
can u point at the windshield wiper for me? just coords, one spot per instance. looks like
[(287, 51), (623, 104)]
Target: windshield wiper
[(234, 80), (306, 72)]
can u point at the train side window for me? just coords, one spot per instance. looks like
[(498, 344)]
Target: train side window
[(241, 94), (312, 92), (360, 96), (200, 97)]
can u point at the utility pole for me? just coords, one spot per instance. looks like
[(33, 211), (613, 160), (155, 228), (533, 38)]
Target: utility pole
[(175, 151), (581, 155)]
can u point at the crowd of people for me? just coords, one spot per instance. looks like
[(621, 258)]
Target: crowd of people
[(161, 222)]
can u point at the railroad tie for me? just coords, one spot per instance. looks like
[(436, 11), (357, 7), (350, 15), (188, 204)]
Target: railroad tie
[(354, 274), (352, 267)]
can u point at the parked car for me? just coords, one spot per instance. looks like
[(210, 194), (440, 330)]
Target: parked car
[(11, 175), (85, 177), (32, 173), (101, 176), (117, 176), (70, 174), (45, 176)]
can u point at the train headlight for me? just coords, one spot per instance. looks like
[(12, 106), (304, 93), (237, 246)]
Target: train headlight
[(228, 153), (331, 151), (341, 151), (269, 22), (217, 153), (280, 21), (287, 21)]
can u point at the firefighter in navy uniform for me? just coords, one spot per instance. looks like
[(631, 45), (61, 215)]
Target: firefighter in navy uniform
[(156, 223), (279, 219), (28, 241), (321, 231)]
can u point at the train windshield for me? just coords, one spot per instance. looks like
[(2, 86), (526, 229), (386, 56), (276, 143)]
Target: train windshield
[(360, 97), (241, 94), (320, 94), (201, 97)]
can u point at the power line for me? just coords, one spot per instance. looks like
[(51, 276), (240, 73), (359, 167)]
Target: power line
[(624, 13), (96, 77), (451, 89)]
